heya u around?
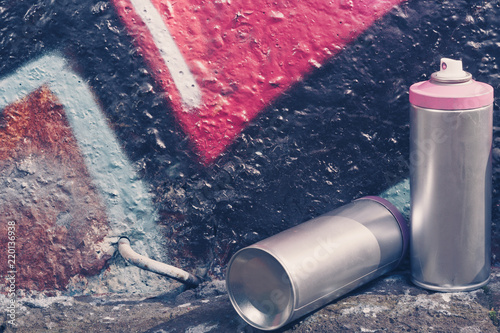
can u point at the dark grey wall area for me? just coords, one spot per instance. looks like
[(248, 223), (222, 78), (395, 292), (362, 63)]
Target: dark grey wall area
[(339, 134)]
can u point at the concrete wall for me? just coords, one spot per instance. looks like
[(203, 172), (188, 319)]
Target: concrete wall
[(199, 127)]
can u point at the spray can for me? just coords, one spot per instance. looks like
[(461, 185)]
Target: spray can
[(288, 275), (451, 119)]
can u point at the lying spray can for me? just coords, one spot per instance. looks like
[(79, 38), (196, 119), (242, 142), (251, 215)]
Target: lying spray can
[(451, 118), (290, 274)]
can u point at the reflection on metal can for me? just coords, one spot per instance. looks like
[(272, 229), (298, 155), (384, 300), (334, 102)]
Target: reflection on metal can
[(290, 274), (451, 119)]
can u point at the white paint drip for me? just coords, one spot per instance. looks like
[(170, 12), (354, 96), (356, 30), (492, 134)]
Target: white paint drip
[(446, 297), (128, 203), (368, 310), (171, 55), (202, 328)]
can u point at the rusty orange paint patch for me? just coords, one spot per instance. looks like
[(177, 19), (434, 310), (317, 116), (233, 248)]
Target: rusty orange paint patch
[(47, 191)]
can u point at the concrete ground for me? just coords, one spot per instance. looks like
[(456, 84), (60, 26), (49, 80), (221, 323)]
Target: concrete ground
[(388, 304)]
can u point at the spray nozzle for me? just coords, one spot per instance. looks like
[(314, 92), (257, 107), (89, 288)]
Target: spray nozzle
[(451, 72)]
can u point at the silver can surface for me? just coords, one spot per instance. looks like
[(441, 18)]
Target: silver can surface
[(288, 275), (451, 119)]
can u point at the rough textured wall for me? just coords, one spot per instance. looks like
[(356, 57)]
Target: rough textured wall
[(288, 114)]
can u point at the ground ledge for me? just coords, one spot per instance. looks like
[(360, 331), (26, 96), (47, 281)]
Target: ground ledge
[(389, 304)]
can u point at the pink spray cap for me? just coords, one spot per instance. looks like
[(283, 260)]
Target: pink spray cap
[(451, 89)]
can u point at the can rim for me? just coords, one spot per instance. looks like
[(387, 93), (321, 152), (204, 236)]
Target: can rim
[(293, 291), (403, 226), (443, 95)]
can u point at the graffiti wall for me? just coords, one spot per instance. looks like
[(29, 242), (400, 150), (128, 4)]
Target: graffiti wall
[(197, 127)]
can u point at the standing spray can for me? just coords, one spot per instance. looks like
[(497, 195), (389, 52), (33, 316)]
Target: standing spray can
[(451, 125), (288, 275)]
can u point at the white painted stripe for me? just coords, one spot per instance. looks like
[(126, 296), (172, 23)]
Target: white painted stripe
[(177, 66), (129, 205)]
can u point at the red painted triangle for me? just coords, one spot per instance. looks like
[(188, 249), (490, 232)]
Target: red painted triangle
[(242, 54)]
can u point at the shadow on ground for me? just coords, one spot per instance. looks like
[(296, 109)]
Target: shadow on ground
[(389, 304)]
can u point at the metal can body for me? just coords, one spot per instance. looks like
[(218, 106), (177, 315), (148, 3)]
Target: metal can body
[(450, 184), (451, 129), (286, 276)]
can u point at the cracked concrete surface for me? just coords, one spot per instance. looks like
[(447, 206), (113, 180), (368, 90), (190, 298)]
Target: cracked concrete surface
[(389, 304)]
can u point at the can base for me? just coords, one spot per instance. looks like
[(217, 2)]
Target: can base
[(450, 288)]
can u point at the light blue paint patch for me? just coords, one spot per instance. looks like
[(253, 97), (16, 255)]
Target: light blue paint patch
[(399, 196), (129, 207), (29, 78)]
